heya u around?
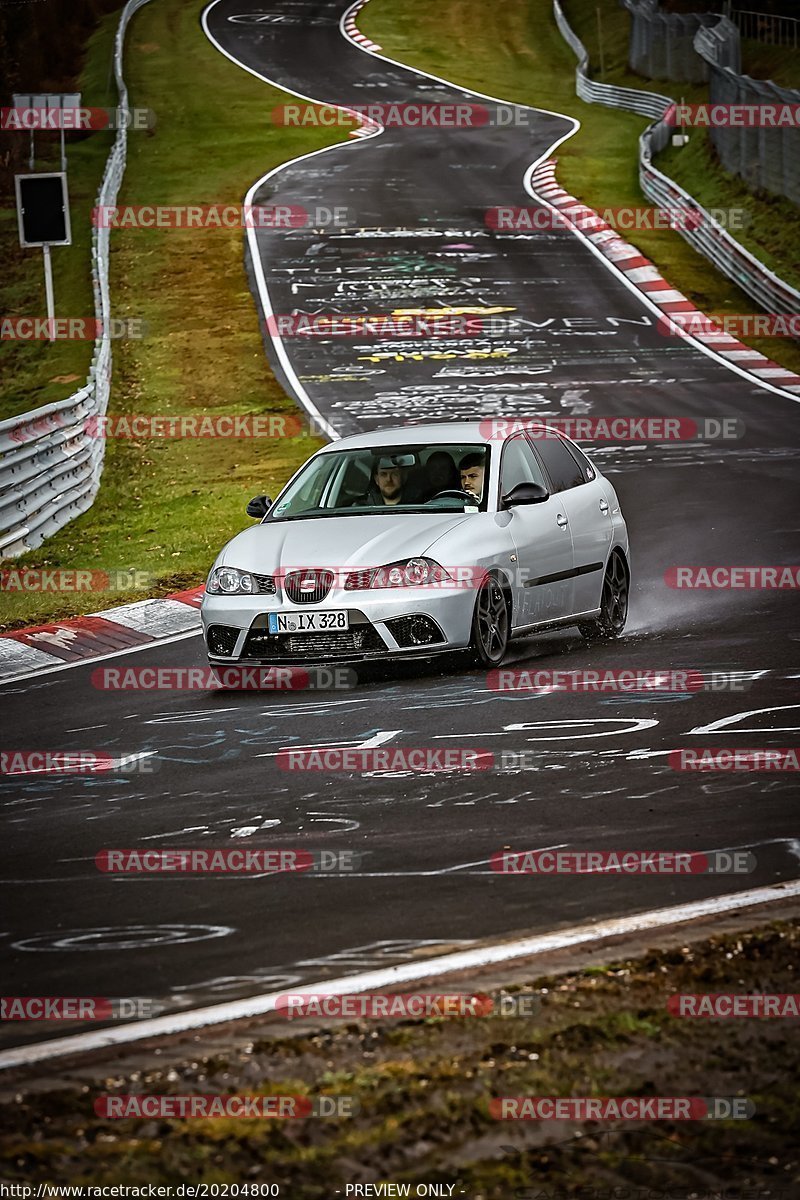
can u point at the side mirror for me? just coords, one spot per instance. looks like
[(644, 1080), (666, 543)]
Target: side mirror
[(259, 506), (525, 493)]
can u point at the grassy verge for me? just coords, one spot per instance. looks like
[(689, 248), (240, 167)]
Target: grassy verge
[(514, 50), (167, 505), (424, 1089), (38, 372)]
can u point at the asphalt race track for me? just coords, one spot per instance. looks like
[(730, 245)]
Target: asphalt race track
[(593, 771)]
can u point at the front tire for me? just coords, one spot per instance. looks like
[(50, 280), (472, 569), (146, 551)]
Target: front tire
[(613, 603), (491, 624)]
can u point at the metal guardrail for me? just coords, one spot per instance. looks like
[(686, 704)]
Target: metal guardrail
[(662, 43), (765, 158), (699, 228), (50, 458), (647, 104), (767, 27)]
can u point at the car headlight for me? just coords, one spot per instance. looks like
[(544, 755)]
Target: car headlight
[(410, 572), (230, 581)]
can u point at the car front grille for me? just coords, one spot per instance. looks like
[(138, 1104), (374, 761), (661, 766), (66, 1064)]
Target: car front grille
[(265, 584), (357, 640), (308, 587)]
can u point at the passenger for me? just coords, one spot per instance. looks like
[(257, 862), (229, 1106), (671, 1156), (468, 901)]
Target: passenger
[(441, 474), (472, 470)]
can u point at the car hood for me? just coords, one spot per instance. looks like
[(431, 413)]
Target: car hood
[(357, 541)]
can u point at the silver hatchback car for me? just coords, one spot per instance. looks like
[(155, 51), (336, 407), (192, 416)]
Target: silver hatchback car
[(422, 540)]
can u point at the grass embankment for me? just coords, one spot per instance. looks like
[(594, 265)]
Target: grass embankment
[(769, 224), (424, 1089), (37, 373), (515, 51), (166, 505)]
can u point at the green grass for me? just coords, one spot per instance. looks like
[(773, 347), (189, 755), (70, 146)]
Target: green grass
[(166, 506), (781, 64), (36, 373), (515, 51), (768, 222)]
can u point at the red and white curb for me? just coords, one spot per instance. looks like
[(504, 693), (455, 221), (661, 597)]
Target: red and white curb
[(647, 278), (38, 648), (351, 29)]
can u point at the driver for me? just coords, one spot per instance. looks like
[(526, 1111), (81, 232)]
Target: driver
[(386, 484), (472, 468)]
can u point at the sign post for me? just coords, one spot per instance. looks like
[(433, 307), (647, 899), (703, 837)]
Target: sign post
[(49, 102), (43, 218)]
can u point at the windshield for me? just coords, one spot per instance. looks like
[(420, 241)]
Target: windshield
[(449, 477)]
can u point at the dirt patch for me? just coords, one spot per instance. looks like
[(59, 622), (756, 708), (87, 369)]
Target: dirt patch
[(424, 1091)]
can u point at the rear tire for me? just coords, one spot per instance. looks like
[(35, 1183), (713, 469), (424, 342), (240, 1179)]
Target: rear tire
[(491, 624), (610, 622)]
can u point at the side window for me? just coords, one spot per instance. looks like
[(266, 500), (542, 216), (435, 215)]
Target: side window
[(562, 468), (587, 470), (519, 466)]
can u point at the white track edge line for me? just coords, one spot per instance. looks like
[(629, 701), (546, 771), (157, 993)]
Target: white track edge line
[(359, 5), (463, 960), (258, 268)]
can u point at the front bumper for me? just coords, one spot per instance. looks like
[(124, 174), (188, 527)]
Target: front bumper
[(386, 623)]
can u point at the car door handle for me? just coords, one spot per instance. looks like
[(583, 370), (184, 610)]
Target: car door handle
[(604, 506), (562, 521)]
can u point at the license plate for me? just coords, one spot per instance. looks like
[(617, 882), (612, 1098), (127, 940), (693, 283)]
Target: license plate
[(308, 622)]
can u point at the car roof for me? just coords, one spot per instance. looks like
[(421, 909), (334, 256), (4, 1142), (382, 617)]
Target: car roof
[(439, 432)]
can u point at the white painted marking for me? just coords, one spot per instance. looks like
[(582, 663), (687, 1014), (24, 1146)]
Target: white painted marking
[(155, 616), (391, 977), (726, 722), (377, 739)]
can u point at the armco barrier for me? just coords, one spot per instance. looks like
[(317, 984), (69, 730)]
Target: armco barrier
[(702, 232), (763, 157), (50, 465)]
